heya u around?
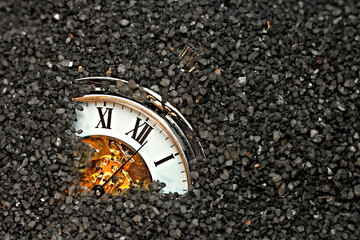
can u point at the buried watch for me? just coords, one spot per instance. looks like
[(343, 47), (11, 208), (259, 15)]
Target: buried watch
[(135, 143)]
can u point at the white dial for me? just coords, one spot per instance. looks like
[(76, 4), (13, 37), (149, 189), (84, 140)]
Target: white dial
[(133, 124)]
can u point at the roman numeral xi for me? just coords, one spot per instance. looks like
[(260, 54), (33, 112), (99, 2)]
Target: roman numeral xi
[(140, 135), (103, 116)]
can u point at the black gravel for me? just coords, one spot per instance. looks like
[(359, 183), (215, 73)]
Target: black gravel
[(274, 99)]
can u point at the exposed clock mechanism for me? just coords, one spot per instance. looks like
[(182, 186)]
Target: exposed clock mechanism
[(135, 143)]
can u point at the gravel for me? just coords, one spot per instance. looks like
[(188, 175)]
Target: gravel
[(274, 98)]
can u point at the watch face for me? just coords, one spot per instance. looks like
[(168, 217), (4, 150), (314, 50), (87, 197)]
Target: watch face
[(133, 146)]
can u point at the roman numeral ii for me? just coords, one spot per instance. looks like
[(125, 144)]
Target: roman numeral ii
[(102, 116), (144, 133)]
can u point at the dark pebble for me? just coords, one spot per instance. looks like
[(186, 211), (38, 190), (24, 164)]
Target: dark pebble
[(272, 93)]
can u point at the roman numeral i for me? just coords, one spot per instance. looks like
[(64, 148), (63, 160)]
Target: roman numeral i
[(157, 163), (144, 133), (102, 115)]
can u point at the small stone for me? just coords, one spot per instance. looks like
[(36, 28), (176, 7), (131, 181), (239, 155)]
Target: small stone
[(275, 77), (57, 195), (301, 228), (33, 101), (155, 210), (85, 221), (204, 134), (132, 84), (341, 108), (142, 207), (79, 107), (57, 16), (241, 81), (352, 149), (165, 82), (356, 135), (137, 218), (60, 111), (115, 178), (116, 35), (197, 192), (183, 209), (195, 222), (153, 186), (175, 233), (276, 136), (229, 163), (314, 52), (71, 190), (257, 138), (124, 22), (314, 133), (31, 224), (121, 68), (183, 29), (295, 46), (159, 73), (68, 199), (109, 208), (276, 178), (194, 175), (357, 190), (253, 55), (231, 117), (348, 83), (66, 63), (82, 17), (155, 88), (225, 175), (298, 160), (281, 190), (350, 194), (58, 142), (54, 167), (336, 12), (308, 164)]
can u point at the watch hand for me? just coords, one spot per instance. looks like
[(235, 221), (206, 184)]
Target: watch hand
[(99, 189)]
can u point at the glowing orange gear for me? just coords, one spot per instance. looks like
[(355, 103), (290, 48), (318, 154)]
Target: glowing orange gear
[(109, 155)]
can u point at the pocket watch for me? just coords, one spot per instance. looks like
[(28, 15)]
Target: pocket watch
[(135, 143)]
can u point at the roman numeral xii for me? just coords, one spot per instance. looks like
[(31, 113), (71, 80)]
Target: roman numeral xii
[(140, 135)]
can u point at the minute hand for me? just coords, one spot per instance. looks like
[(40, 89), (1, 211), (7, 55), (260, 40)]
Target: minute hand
[(99, 189)]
